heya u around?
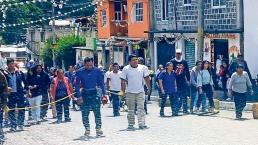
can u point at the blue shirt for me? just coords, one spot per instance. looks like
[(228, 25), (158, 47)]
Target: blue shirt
[(89, 80), (61, 90), (12, 81), (168, 82)]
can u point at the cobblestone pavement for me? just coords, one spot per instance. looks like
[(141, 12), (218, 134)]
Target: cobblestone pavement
[(220, 129)]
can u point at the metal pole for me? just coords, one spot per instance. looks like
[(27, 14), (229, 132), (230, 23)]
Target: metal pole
[(241, 20), (200, 36), (53, 35)]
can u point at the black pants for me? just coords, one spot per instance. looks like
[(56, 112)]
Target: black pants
[(240, 103), (62, 107), (173, 103), (1, 124), (207, 90), (16, 100), (43, 109)]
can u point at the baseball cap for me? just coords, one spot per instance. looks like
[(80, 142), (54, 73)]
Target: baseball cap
[(178, 51)]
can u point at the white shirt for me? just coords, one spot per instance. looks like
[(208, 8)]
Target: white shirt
[(106, 76), (115, 81), (134, 77)]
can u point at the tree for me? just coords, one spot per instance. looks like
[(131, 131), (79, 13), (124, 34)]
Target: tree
[(63, 50)]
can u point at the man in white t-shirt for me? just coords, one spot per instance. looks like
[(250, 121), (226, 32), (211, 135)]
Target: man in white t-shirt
[(114, 86), (132, 76)]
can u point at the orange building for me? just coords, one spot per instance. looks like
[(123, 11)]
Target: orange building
[(121, 25)]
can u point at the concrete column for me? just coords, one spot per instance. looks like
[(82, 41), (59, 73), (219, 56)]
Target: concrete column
[(104, 54)]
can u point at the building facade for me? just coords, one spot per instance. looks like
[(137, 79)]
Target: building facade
[(121, 25), (176, 24)]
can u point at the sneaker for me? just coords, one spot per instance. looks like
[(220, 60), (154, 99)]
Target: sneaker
[(212, 110), (130, 127), (99, 132), (228, 99), (198, 111), (143, 127), (21, 128), (87, 132), (12, 129)]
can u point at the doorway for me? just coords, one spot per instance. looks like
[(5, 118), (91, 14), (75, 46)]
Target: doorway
[(221, 48), (165, 52)]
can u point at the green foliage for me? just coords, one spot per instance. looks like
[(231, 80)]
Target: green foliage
[(31, 12), (63, 51), (46, 53)]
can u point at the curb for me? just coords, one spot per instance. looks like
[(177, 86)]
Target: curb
[(222, 104)]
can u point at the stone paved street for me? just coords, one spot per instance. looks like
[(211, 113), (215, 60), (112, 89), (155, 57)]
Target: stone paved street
[(221, 129)]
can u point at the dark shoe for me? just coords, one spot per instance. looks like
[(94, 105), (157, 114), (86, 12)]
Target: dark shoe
[(186, 112), (116, 114), (68, 120), (143, 127), (175, 115), (161, 114), (58, 121), (12, 129), (38, 122), (87, 132), (130, 128)]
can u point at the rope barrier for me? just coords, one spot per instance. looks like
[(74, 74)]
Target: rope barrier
[(7, 109)]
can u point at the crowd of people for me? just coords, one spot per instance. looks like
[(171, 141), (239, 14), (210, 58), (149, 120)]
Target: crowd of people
[(87, 87)]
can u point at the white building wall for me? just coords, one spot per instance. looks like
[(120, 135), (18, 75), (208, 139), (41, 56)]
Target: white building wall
[(251, 35)]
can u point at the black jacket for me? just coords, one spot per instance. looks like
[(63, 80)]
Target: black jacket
[(182, 73)]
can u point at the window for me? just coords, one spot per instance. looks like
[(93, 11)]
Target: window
[(187, 2), (138, 12), (103, 18), (218, 3), (164, 10), (118, 11)]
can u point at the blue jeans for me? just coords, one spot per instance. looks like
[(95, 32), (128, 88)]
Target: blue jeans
[(16, 100), (182, 100), (194, 99), (115, 102), (173, 103), (91, 102)]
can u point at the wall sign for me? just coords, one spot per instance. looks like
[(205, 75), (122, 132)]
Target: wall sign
[(221, 36)]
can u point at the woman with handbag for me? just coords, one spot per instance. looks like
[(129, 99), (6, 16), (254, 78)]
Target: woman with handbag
[(238, 87), (205, 86)]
